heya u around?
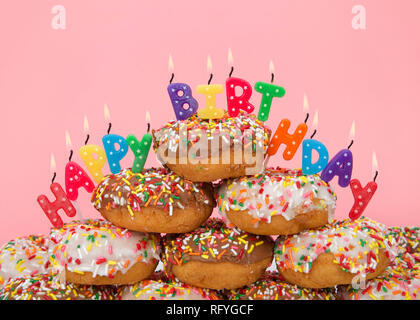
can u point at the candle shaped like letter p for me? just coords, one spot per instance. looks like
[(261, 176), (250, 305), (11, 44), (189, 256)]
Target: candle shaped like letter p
[(341, 165), (140, 149), (210, 91), (362, 196), (268, 91), (61, 202)]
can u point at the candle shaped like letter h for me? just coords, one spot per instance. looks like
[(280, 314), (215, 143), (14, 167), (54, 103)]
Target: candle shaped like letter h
[(181, 97), (268, 92), (140, 149), (362, 196), (237, 102), (93, 156), (61, 201), (210, 111), (341, 165)]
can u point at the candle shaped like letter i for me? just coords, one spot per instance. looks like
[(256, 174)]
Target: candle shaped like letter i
[(93, 156), (237, 102), (76, 178), (341, 165), (361, 195), (268, 91), (61, 201), (210, 91), (140, 149)]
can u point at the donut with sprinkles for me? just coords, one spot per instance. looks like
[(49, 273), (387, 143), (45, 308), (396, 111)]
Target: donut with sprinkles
[(48, 287), (273, 287), (335, 254), (24, 256), (217, 256), (209, 150), (155, 200), (162, 290), (277, 202), (96, 252)]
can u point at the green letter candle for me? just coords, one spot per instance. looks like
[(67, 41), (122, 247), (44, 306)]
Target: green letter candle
[(140, 150), (268, 91)]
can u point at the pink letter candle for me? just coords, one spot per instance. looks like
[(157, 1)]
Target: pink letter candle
[(241, 102), (76, 178)]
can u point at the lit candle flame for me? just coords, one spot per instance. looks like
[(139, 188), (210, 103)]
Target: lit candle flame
[(170, 64), (230, 58), (271, 66), (86, 125), (352, 131), (68, 140), (209, 64), (106, 113), (147, 116), (52, 163), (305, 103), (374, 163), (315, 121)]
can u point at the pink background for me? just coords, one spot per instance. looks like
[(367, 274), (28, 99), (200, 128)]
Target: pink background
[(116, 52)]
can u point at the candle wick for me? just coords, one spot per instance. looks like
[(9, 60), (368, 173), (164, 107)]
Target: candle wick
[(53, 178), (172, 78), (376, 175), (272, 77), (307, 117), (148, 127), (87, 139), (313, 134), (211, 77), (109, 127), (71, 155), (231, 71), (351, 143)]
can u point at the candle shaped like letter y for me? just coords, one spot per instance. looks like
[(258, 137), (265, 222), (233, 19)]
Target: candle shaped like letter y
[(140, 149), (109, 141), (341, 165), (75, 178), (241, 101), (61, 201), (210, 91), (268, 92), (181, 96), (93, 156), (362, 196)]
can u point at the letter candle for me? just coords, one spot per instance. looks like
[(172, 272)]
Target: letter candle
[(237, 102), (140, 149), (109, 141), (362, 196), (61, 201), (268, 91), (310, 145), (93, 156), (341, 165), (210, 91), (181, 97)]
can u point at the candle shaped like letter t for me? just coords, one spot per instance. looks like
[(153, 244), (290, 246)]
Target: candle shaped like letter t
[(362, 196), (61, 202), (210, 91), (140, 149)]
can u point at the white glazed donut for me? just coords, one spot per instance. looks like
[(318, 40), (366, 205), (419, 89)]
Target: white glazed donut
[(24, 256)]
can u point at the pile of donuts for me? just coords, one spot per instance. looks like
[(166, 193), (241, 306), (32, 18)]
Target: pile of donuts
[(275, 238)]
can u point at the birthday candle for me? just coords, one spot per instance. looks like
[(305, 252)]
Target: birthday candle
[(210, 91), (241, 102), (76, 178), (268, 91), (113, 155), (94, 158), (140, 149)]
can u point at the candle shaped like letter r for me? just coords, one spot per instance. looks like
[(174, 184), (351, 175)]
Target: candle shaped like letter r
[(140, 149)]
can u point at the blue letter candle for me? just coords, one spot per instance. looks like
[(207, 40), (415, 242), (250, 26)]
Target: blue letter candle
[(180, 94), (308, 146), (342, 166), (114, 156)]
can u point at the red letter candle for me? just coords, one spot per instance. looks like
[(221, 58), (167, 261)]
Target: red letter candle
[(292, 141), (61, 202), (361, 196), (76, 178), (241, 102)]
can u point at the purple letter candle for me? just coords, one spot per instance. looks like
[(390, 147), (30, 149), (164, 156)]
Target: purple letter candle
[(180, 94), (342, 166)]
